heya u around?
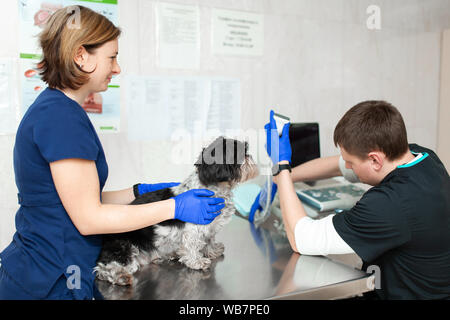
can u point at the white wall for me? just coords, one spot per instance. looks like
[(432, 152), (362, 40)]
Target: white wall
[(444, 109), (319, 60)]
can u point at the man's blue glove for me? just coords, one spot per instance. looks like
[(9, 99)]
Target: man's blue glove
[(257, 203), (196, 206), (141, 188), (274, 142)]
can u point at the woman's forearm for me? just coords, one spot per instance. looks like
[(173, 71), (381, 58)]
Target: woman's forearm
[(77, 184), (125, 196), (116, 218), (316, 169)]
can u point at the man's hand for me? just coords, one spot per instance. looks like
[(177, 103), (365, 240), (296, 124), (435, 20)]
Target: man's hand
[(278, 148)]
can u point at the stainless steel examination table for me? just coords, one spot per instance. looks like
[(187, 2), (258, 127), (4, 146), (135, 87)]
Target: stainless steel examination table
[(258, 263)]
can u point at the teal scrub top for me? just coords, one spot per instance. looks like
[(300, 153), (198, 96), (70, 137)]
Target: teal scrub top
[(402, 226)]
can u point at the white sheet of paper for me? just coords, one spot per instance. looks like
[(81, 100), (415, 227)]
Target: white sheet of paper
[(237, 33), (178, 36), (199, 106), (224, 108)]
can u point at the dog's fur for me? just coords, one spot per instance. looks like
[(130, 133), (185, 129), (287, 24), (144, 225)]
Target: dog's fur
[(221, 166)]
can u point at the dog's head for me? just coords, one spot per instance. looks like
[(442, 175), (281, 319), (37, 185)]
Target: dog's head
[(225, 160)]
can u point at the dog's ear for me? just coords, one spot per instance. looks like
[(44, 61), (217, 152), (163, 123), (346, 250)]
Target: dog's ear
[(221, 161)]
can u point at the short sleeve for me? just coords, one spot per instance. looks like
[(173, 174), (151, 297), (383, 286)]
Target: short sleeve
[(373, 226), (63, 132), (318, 237)]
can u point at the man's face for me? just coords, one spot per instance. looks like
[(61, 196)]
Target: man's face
[(367, 169)]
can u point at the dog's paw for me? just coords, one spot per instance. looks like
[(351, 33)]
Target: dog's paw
[(124, 279), (158, 260), (214, 251), (203, 263), (198, 264), (115, 273)]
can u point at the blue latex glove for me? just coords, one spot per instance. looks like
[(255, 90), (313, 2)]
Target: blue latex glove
[(196, 206), (273, 141), (144, 188), (256, 204)]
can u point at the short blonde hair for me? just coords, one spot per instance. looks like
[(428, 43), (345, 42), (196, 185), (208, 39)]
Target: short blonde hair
[(66, 30)]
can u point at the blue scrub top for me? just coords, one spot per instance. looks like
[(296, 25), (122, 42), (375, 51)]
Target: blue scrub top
[(46, 244)]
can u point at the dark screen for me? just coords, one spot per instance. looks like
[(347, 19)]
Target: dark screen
[(304, 138)]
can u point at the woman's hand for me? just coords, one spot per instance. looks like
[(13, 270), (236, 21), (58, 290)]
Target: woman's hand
[(196, 206), (144, 188)]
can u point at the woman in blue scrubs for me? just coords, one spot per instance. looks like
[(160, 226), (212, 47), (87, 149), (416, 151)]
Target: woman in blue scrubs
[(60, 170)]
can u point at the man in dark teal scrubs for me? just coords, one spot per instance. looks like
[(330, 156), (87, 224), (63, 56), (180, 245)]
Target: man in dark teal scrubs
[(401, 225)]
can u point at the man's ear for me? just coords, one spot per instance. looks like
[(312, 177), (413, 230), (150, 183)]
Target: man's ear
[(377, 160)]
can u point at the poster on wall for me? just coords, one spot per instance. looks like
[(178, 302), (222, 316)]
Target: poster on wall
[(8, 98), (103, 108), (30, 81)]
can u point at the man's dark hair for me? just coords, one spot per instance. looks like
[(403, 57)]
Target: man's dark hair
[(372, 126)]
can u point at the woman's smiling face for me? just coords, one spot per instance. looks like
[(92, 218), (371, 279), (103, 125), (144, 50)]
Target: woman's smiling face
[(104, 61)]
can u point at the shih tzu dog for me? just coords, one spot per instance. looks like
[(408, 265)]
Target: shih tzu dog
[(219, 168)]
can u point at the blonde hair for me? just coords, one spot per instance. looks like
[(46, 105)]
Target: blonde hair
[(66, 30)]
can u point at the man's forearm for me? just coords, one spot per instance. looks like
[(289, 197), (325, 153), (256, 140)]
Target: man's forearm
[(316, 169), (118, 197), (291, 208)]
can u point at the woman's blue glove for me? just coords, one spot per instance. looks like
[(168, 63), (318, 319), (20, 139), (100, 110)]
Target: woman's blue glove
[(144, 188), (284, 152), (196, 206)]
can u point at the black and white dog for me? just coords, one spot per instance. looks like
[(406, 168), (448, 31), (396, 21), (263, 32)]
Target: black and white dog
[(219, 168)]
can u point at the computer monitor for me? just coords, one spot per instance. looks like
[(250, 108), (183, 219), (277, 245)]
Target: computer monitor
[(305, 145)]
